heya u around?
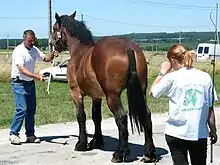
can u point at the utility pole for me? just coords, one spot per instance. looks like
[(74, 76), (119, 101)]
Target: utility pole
[(82, 17), (132, 37), (217, 23), (156, 48), (152, 46), (7, 35), (180, 37), (49, 27)]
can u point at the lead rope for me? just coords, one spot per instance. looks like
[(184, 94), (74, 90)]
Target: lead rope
[(49, 79), (44, 86)]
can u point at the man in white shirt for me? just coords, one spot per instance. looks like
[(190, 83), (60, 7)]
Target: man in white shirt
[(23, 86)]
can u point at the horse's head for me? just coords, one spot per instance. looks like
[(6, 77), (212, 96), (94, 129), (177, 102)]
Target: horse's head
[(59, 34), (67, 27)]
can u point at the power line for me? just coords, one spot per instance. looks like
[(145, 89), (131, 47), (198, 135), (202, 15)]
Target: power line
[(114, 21), (143, 25), (160, 4), (4, 17), (18, 17)]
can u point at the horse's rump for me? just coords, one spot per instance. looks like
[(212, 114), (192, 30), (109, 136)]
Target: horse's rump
[(110, 63)]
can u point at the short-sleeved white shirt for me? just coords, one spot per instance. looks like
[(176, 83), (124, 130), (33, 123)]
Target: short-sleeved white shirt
[(21, 55), (190, 93)]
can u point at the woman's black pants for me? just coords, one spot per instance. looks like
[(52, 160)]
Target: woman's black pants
[(179, 148)]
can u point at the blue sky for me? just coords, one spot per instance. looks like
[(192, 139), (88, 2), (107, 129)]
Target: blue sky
[(108, 17)]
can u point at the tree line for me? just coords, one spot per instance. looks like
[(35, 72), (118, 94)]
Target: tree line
[(147, 41)]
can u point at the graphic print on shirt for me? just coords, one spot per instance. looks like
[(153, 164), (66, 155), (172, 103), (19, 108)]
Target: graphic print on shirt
[(192, 98)]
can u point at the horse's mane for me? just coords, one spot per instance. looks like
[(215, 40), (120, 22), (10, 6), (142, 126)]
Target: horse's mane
[(77, 29)]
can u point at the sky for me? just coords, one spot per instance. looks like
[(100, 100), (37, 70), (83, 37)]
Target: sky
[(109, 17)]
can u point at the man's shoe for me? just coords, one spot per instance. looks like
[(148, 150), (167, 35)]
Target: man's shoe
[(32, 139), (15, 139)]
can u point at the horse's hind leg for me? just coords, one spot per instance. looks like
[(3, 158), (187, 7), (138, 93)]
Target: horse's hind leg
[(149, 148), (97, 141), (81, 145), (123, 150)]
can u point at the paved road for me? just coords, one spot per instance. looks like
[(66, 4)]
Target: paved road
[(58, 141)]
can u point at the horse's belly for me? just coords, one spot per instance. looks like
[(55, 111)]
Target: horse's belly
[(91, 87), (87, 80)]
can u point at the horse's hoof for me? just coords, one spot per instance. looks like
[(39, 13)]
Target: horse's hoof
[(95, 144), (147, 159), (81, 146), (119, 158)]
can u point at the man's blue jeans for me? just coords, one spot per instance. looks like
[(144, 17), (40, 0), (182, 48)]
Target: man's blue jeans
[(25, 106)]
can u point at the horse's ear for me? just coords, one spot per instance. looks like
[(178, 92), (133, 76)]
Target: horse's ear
[(57, 17), (73, 15)]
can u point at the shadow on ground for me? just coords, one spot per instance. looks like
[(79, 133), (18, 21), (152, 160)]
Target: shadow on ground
[(111, 143)]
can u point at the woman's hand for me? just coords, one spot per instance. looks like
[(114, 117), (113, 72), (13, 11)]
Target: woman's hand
[(165, 67), (213, 137)]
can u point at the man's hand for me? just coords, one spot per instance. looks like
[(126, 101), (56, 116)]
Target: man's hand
[(54, 54), (40, 77), (213, 137), (50, 57), (165, 67)]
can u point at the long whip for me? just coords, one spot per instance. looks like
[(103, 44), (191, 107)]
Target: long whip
[(49, 79), (213, 62)]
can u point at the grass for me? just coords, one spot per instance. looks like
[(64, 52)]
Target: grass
[(58, 106)]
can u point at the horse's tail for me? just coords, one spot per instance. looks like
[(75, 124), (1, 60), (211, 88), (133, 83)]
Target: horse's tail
[(136, 100)]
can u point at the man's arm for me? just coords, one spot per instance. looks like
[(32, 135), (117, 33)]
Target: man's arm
[(26, 72), (46, 58), (50, 57)]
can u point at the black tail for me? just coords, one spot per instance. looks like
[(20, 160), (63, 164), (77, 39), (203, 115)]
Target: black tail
[(136, 100)]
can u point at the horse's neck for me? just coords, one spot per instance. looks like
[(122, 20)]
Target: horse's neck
[(77, 51), (75, 47)]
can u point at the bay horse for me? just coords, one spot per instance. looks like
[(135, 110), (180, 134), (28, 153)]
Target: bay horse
[(104, 69)]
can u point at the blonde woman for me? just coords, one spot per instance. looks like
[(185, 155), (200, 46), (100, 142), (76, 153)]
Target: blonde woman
[(191, 118)]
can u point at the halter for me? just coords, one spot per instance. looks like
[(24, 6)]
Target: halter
[(58, 38)]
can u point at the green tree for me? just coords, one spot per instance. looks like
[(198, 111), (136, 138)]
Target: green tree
[(38, 42)]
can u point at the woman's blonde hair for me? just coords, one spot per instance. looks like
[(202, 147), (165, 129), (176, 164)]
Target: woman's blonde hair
[(183, 56)]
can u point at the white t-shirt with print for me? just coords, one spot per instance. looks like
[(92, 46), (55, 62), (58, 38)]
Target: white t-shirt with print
[(190, 94), (21, 55)]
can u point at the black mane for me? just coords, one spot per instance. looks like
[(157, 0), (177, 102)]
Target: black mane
[(77, 29)]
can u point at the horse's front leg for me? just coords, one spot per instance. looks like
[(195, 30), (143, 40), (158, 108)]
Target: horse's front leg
[(81, 145), (97, 141), (123, 150)]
